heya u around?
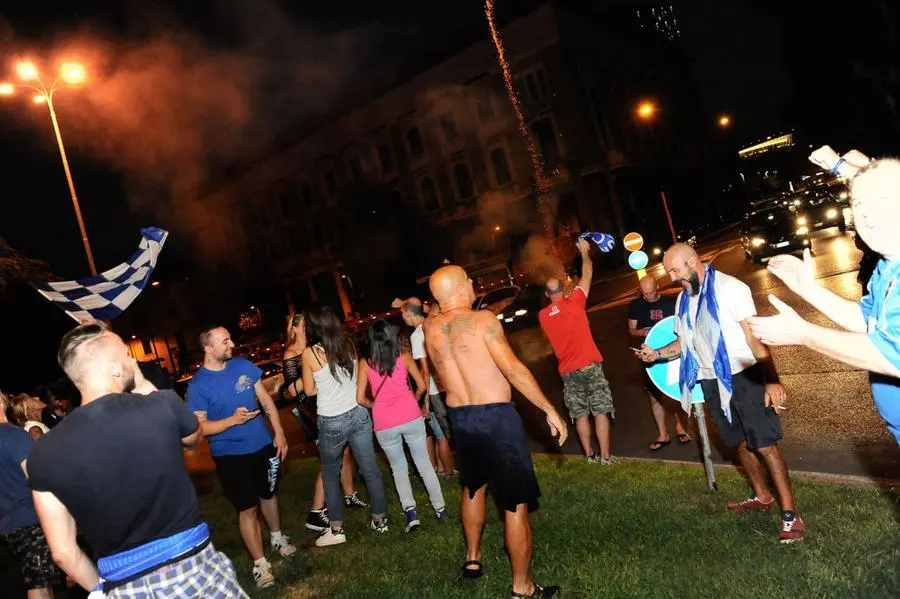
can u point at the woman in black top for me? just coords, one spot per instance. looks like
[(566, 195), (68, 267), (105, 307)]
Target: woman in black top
[(292, 390)]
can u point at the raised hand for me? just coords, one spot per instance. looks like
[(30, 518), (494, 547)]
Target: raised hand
[(797, 274), (785, 328)]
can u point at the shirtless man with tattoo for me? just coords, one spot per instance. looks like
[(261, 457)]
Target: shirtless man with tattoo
[(477, 367)]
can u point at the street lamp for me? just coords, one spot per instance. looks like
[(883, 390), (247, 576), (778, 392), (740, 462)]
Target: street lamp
[(724, 121), (646, 110), (71, 73)]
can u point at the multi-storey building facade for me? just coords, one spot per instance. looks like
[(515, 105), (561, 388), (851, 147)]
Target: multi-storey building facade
[(445, 143)]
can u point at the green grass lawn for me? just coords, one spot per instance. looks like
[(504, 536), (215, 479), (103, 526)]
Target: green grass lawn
[(639, 529)]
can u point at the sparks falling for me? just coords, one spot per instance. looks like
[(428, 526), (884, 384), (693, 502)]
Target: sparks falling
[(537, 161)]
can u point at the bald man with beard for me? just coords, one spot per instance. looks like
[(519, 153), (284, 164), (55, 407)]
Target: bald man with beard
[(477, 367)]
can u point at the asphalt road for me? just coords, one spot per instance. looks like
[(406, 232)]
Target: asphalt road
[(830, 425)]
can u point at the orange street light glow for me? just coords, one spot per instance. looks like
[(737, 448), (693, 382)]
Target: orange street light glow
[(646, 110), (724, 120), (26, 70), (73, 73), (40, 99), (497, 228), (6, 89)]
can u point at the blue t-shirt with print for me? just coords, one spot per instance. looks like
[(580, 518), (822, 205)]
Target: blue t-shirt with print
[(881, 309), (16, 506), (219, 393)]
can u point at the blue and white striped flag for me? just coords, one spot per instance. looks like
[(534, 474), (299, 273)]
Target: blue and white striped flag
[(105, 296)]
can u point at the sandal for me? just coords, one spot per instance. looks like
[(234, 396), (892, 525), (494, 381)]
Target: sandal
[(659, 445), (538, 593), (685, 438), (476, 572)]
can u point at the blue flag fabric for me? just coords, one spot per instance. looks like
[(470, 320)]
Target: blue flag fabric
[(604, 241), (107, 295)]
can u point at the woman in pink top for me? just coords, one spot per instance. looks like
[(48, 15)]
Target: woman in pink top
[(397, 417)]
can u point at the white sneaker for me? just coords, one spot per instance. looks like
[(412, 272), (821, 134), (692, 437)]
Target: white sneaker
[(263, 576), (331, 537), (283, 546)]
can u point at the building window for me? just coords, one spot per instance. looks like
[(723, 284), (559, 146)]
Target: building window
[(306, 196), (330, 182), (385, 157), (463, 181), (356, 169), (414, 139), (501, 167), (485, 108), (318, 236), (545, 135), (448, 127), (429, 195), (286, 199), (146, 347), (533, 86)]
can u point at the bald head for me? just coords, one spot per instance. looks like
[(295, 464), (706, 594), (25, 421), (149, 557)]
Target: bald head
[(554, 288), (649, 288), (451, 287), (684, 266), (93, 357), (876, 205)]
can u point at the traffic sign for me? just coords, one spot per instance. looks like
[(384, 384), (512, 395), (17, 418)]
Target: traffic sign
[(633, 242), (638, 260), (665, 375)]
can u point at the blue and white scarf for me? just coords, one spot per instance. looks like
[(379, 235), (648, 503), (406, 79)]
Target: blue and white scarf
[(706, 321)]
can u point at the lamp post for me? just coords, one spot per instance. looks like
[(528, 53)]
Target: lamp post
[(71, 73), (645, 111)]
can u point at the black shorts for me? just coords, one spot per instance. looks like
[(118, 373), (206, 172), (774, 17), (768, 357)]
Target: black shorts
[(36, 565), (491, 449), (249, 477), (751, 420)]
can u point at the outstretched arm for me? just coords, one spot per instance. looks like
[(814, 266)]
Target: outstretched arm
[(587, 267), (517, 373)]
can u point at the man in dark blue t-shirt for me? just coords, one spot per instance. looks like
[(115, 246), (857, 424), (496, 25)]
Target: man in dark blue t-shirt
[(643, 314), (224, 394), (19, 528)]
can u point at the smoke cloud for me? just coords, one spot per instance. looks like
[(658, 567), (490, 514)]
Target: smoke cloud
[(171, 109)]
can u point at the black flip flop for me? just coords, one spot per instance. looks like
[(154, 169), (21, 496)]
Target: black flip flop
[(468, 572), (660, 443), (539, 593), (685, 438)]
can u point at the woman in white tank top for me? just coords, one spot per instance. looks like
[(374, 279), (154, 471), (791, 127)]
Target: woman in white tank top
[(330, 373)]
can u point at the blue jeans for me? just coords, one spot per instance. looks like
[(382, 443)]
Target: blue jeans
[(353, 427), (391, 441)]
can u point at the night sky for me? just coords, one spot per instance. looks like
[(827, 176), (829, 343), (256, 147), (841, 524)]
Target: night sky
[(738, 53)]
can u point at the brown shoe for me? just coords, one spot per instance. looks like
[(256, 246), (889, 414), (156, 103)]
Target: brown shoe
[(752, 503)]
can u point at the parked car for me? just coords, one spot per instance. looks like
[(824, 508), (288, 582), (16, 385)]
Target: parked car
[(522, 312), (771, 231), (496, 300)]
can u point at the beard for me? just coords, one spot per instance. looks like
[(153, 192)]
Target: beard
[(693, 284)]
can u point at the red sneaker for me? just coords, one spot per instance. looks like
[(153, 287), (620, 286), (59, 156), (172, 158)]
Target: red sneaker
[(792, 530), (752, 503)]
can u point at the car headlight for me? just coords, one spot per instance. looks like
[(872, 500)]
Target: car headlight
[(802, 231), (500, 316), (843, 195), (831, 213), (521, 312), (758, 241), (801, 220)]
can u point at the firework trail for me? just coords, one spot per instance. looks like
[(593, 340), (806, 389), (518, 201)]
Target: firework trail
[(537, 161)]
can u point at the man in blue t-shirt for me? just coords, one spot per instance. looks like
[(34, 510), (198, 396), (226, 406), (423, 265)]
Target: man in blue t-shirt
[(224, 394), (871, 336), (19, 528)]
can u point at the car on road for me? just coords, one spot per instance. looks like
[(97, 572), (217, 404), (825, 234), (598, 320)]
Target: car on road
[(771, 231), (496, 300), (522, 312), (821, 210)]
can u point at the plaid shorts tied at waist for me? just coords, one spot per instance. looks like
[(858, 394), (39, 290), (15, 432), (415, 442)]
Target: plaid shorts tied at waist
[(207, 574)]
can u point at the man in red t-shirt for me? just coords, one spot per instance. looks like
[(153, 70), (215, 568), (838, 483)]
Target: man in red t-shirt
[(586, 391)]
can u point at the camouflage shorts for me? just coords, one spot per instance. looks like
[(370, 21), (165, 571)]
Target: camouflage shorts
[(586, 392), (36, 566)]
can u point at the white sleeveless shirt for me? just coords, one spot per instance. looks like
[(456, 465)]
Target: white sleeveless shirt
[(336, 396)]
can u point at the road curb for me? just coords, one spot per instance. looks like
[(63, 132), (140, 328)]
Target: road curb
[(810, 475)]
